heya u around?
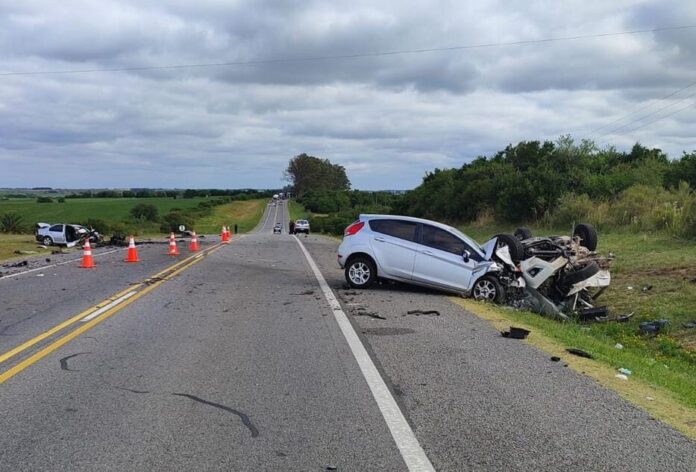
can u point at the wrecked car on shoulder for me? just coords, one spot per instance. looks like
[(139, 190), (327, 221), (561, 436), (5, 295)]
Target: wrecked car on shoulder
[(65, 234), (553, 275)]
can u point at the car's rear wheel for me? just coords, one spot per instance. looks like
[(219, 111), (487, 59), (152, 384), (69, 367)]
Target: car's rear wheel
[(47, 241), (488, 289), (361, 272)]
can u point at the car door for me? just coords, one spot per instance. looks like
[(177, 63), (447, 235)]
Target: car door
[(394, 245), (57, 233), (440, 261)]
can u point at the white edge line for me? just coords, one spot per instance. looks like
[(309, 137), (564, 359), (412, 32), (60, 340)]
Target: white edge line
[(411, 451), (108, 307), (7, 276)]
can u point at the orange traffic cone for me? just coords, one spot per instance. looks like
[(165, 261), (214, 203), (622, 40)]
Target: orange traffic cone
[(173, 250), (132, 255), (87, 260), (193, 247)]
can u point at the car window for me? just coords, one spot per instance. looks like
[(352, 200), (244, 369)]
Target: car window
[(397, 228), (57, 228), (443, 240)]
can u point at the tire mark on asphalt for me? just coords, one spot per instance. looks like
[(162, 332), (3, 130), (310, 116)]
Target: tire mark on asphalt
[(64, 361), (129, 389), (245, 419)]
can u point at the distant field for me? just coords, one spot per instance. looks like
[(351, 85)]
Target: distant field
[(245, 214), (76, 210)]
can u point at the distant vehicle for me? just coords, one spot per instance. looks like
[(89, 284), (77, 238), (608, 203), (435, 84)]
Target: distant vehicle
[(278, 228), (275, 197), (302, 226), (62, 234)]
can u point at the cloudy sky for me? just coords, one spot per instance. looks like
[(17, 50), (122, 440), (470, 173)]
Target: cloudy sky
[(387, 118)]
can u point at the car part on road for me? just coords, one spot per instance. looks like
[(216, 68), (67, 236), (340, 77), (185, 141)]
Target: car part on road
[(423, 312)]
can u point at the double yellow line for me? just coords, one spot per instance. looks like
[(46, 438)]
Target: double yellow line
[(141, 289)]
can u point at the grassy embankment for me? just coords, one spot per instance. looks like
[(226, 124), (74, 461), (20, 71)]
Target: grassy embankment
[(297, 211), (243, 213), (653, 276)]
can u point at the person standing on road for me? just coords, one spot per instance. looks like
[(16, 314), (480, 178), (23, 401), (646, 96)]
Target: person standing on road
[(292, 227)]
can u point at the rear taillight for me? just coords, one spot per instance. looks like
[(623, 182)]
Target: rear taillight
[(354, 228)]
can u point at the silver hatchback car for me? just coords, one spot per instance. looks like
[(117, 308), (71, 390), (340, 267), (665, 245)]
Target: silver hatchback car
[(420, 252)]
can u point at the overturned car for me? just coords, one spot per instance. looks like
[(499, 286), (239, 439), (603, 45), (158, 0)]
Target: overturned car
[(554, 275)]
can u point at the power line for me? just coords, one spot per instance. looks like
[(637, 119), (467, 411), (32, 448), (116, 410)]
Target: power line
[(350, 56), (645, 107), (659, 118), (641, 118)]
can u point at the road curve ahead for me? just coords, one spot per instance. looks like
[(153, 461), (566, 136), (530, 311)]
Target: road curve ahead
[(252, 358)]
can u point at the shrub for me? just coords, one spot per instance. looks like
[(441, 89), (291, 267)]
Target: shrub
[(100, 225), (61, 200), (44, 200), (144, 211), (11, 223), (172, 220)]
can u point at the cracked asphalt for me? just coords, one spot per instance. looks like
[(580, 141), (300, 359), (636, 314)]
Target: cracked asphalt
[(237, 363)]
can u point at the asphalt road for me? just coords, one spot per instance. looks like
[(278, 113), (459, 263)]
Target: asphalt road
[(237, 361)]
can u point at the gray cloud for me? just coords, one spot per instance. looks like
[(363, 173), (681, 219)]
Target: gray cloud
[(388, 119)]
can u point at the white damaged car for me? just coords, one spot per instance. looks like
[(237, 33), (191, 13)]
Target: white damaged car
[(551, 275)]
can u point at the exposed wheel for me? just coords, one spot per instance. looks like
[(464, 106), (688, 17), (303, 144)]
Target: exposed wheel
[(581, 273), (513, 244), (587, 234), (523, 233), (47, 241), (361, 272), (488, 289)]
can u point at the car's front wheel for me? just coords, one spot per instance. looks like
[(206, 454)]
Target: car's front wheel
[(488, 289), (361, 272), (47, 241)]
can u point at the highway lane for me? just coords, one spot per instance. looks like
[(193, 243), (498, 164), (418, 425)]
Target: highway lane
[(234, 364), (238, 363), (478, 401)]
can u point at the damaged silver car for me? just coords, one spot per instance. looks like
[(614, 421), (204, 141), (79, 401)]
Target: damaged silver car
[(558, 276)]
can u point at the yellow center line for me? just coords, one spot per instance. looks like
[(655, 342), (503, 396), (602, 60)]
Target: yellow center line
[(37, 339)]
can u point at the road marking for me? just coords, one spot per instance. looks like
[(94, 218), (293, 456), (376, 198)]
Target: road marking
[(59, 327), (8, 374), (411, 451), (101, 310), (7, 276)]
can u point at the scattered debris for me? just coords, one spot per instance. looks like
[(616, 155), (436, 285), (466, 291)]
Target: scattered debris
[(25, 253), (618, 319), (652, 327), (591, 314), (690, 324), (646, 288), (555, 358), (16, 264), (423, 312), (621, 376), (618, 346), (39, 275), (48, 259), (41, 246), (515, 333), (306, 292), (629, 288), (373, 314), (650, 399), (329, 467), (624, 371), (579, 353)]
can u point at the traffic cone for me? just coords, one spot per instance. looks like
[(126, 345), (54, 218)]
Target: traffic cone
[(173, 250), (223, 235), (193, 247), (87, 260), (132, 255)]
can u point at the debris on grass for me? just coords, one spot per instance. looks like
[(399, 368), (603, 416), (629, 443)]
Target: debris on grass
[(624, 371), (579, 353), (618, 346), (516, 333), (652, 327), (621, 376)]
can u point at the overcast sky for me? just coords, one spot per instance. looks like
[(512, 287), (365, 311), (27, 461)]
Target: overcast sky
[(387, 119)]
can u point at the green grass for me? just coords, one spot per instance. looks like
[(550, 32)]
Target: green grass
[(667, 264), (297, 210), (75, 210), (9, 243), (245, 214)]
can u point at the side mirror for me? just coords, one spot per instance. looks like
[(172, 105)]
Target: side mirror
[(466, 255)]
